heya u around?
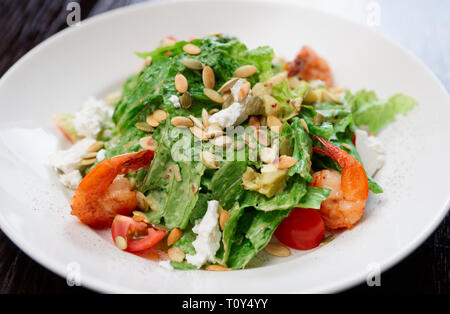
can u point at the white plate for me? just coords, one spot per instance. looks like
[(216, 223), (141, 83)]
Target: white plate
[(95, 57)]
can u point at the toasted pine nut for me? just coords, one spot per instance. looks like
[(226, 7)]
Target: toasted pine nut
[(278, 250), (174, 236), (245, 71), (208, 77), (181, 83), (192, 49), (223, 219), (182, 122), (176, 254), (217, 268)]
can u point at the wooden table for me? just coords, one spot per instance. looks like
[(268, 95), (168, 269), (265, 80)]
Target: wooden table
[(24, 24)]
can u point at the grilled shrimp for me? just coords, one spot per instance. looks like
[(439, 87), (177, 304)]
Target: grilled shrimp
[(349, 189), (308, 65), (102, 194)]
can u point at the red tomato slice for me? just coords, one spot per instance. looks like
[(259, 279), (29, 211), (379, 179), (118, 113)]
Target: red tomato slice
[(303, 229), (153, 237), (122, 226)]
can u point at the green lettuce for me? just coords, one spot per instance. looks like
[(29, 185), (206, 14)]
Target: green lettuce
[(229, 232), (375, 113), (313, 197), (283, 94), (227, 183), (260, 57), (302, 148), (325, 130), (254, 233), (291, 196)]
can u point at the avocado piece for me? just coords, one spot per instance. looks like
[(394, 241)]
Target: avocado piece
[(250, 179), (273, 180), (269, 182), (271, 105)]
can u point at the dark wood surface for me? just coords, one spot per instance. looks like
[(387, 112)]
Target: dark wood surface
[(26, 23)]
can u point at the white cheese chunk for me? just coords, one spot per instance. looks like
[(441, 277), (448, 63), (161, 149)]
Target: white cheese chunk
[(208, 237), (67, 160), (71, 179), (370, 150), (233, 115), (101, 155), (175, 101), (88, 121)]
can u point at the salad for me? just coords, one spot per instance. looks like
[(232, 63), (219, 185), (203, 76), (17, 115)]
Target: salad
[(214, 152)]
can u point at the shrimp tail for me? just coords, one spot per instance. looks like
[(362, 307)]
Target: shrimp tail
[(321, 151), (141, 160), (334, 152), (354, 181), (101, 176)]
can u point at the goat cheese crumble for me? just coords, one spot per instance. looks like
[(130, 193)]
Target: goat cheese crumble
[(71, 179), (175, 101), (234, 114), (208, 238), (88, 121), (67, 161), (229, 116), (101, 155), (370, 150)]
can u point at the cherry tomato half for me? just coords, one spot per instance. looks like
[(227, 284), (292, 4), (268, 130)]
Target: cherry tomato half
[(123, 226), (303, 229)]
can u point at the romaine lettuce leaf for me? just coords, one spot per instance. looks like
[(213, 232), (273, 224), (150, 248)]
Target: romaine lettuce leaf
[(290, 197), (260, 57), (228, 233), (343, 123), (325, 130), (181, 199), (283, 93), (223, 54), (227, 183), (200, 207), (182, 266), (255, 231), (160, 185), (302, 148), (185, 242), (375, 113), (313, 197)]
